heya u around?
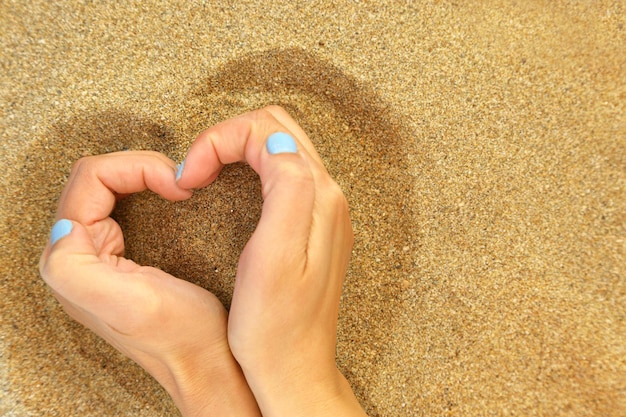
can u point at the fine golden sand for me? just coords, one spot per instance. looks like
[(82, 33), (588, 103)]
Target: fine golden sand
[(481, 145)]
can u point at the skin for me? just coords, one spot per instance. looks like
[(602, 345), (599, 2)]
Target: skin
[(274, 353)]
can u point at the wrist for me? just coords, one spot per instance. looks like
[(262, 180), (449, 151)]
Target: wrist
[(300, 395), (215, 386)]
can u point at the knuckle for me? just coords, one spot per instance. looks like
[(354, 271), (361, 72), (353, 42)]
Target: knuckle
[(267, 120), (335, 195), (82, 164), (296, 174), (338, 204), (275, 109), (50, 269), (292, 176), (45, 269), (262, 122)]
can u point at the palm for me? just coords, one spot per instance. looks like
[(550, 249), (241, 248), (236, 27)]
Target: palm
[(145, 309)]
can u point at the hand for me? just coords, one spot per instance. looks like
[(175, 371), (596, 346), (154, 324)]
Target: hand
[(283, 317), (175, 330)]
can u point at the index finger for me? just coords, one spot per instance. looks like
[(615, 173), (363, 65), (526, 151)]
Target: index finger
[(289, 177), (97, 181), (243, 138)]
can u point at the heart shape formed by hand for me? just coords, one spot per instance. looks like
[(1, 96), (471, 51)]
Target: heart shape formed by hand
[(200, 239)]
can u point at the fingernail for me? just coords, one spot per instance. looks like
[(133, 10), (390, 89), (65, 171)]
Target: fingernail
[(280, 142), (179, 170), (60, 229)]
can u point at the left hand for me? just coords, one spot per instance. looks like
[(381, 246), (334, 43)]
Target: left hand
[(175, 330)]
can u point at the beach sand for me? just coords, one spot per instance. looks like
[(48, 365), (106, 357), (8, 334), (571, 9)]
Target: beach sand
[(481, 146)]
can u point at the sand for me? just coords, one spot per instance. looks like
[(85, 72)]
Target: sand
[(481, 146)]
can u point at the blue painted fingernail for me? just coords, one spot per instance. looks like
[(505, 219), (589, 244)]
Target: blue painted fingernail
[(179, 170), (60, 229), (280, 142)]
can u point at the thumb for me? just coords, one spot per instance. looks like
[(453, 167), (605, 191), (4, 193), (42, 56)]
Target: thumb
[(282, 234), (71, 267)]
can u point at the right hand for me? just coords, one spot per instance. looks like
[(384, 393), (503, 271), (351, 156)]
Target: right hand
[(283, 318)]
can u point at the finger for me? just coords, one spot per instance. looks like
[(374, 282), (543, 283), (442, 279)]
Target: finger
[(287, 178), (286, 120), (331, 217), (71, 267), (96, 181), (240, 139)]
